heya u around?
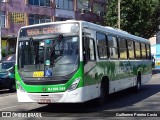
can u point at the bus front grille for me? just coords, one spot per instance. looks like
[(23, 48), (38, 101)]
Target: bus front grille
[(52, 97)]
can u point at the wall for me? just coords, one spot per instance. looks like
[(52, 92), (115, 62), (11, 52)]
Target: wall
[(19, 6)]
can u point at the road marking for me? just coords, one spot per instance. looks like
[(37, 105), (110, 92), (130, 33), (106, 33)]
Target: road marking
[(8, 107)]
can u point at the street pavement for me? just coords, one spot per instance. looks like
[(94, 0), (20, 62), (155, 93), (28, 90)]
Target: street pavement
[(147, 101)]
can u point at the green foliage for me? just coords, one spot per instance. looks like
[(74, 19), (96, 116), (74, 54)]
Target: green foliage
[(138, 17), (6, 52)]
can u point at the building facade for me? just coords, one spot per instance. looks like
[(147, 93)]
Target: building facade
[(18, 13)]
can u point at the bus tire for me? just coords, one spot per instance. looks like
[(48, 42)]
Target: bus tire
[(101, 100), (138, 84)]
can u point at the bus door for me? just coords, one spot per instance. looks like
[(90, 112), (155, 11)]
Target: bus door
[(89, 59), (88, 51), (123, 73)]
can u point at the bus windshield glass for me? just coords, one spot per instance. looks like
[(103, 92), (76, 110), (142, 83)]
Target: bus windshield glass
[(59, 54), (48, 50)]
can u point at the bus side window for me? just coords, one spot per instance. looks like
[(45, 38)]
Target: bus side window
[(102, 46), (148, 52), (137, 50), (122, 48), (131, 49), (113, 47), (91, 49), (143, 50)]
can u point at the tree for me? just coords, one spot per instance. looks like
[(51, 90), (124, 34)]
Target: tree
[(138, 17)]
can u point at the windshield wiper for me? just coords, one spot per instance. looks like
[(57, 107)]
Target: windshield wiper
[(58, 59)]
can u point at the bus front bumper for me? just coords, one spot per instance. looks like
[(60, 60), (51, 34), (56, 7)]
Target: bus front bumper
[(74, 96)]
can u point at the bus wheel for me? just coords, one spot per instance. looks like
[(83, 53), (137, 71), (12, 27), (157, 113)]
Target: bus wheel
[(138, 84), (103, 94)]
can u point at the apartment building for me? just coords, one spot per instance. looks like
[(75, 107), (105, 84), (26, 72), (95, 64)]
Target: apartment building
[(18, 13)]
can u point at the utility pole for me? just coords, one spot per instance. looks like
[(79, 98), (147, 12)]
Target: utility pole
[(119, 14)]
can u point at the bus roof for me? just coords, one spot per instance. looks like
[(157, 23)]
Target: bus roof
[(116, 32), (105, 29)]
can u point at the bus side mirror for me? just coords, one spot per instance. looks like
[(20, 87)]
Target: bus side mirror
[(85, 49)]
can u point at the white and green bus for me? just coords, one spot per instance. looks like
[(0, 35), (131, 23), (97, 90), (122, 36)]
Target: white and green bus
[(77, 61)]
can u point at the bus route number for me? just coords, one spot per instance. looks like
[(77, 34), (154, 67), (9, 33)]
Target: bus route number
[(38, 74)]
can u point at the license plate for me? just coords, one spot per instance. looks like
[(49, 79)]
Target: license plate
[(38, 74), (44, 101)]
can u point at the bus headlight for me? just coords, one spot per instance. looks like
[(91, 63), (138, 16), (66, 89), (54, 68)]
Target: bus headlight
[(74, 84), (19, 86)]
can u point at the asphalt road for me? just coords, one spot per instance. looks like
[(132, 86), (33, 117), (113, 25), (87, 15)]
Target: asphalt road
[(148, 99)]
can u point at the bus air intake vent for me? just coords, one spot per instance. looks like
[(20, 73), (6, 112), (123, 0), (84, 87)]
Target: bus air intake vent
[(52, 97)]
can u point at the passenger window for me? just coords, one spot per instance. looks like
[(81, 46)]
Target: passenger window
[(148, 52), (113, 47), (91, 50), (143, 50), (137, 50), (122, 48), (131, 49), (102, 46)]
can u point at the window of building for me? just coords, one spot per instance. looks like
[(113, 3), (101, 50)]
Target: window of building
[(122, 48), (83, 4), (3, 19), (98, 8), (113, 47), (61, 19), (36, 19), (143, 50), (102, 46), (137, 50), (64, 4), (48, 3), (4, 0), (40, 2), (18, 18), (131, 49)]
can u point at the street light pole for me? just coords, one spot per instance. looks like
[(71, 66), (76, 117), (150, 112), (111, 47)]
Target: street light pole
[(119, 14)]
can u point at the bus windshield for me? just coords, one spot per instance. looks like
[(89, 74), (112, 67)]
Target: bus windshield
[(59, 54)]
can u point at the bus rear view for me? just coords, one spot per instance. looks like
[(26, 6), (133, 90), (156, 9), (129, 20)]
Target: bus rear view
[(48, 67)]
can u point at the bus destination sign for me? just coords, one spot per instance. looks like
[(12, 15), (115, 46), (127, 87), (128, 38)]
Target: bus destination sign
[(45, 30), (48, 29)]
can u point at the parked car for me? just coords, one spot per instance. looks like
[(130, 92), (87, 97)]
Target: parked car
[(7, 80)]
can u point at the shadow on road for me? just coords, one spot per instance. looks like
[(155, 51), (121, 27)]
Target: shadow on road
[(156, 71), (117, 100), (5, 91)]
